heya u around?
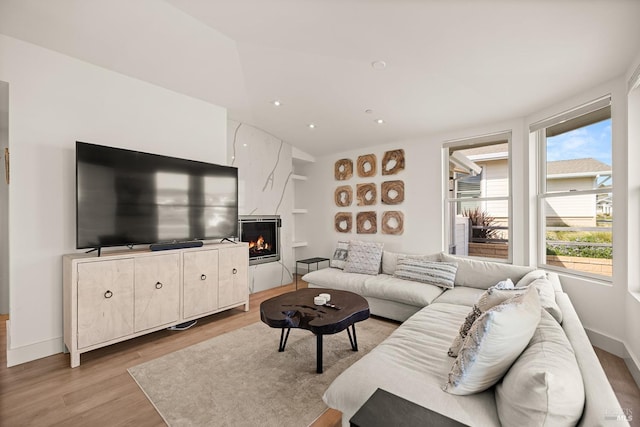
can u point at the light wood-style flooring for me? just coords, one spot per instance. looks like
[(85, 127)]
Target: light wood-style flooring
[(100, 391)]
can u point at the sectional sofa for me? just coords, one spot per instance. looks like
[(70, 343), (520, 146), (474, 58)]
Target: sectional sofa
[(556, 379)]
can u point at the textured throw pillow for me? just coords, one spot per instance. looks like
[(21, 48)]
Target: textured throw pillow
[(489, 299), (390, 260), (363, 257), (440, 274), (494, 342), (544, 385), (339, 255)]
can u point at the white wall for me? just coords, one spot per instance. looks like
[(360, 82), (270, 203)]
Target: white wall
[(264, 168), (632, 297), (423, 204), (56, 100), (4, 200)]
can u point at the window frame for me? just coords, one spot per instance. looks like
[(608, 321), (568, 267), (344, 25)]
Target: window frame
[(542, 195), (472, 142)]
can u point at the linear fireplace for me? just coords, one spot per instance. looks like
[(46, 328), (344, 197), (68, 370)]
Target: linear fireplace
[(262, 233)]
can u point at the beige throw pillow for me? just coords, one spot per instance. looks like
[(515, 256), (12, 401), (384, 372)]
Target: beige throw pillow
[(494, 296), (440, 274), (363, 257), (544, 385), (495, 341)]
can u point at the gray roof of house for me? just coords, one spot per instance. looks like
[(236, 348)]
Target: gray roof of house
[(577, 166)]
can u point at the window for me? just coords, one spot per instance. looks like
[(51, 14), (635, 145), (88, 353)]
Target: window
[(575, 187), (478, 201)]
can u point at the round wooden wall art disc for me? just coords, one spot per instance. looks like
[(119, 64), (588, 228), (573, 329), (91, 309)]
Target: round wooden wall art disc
[(366, 194), (392, 192), (367, 222), (366, 165), (343, 169), (393, 162), (392, 222), (343, 222), (343, 196)]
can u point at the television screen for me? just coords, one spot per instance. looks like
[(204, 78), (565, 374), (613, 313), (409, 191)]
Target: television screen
[(126, 197)]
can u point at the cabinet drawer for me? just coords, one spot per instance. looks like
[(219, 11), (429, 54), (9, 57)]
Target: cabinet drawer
[(105, 301)]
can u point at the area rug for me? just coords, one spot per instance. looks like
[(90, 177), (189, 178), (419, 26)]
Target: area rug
[(240, 378)]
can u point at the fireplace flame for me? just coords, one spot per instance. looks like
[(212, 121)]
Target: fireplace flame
[(259, 245)]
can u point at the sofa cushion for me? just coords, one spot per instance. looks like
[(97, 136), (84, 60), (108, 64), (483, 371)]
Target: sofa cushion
[(494, 342), (544, 386), (528, 278), (440, 274), (333, 278), (390, 260), (483, 274), (409, 292), (363, 257), (412, 363), (339, 257), (460, 295)]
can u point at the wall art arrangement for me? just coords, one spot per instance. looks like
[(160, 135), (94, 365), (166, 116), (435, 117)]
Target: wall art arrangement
[(366, 194)]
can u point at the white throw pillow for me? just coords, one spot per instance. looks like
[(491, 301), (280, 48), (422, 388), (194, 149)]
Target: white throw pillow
[(363, 257), (440, 274), (544, 386), (496, 295), (490, 298), (494, 342), (390, 260), (339, 258)]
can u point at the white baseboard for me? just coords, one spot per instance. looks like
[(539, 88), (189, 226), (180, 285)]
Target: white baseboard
[(27, 353), (605, 342), (618, 348)]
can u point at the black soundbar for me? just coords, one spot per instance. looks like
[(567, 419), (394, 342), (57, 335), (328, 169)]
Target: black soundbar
[(175, 245)]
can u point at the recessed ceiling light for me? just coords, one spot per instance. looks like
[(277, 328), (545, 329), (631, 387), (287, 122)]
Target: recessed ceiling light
[(379, 121), (244, 145), (379, 65), (311, 126), (276, 103)]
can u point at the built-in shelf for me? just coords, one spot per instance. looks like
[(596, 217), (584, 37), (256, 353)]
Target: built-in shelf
[(300, 211), (299, 244), (299, 177)]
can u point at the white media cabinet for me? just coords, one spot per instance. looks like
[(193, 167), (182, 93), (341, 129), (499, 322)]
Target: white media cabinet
[(122, 295)]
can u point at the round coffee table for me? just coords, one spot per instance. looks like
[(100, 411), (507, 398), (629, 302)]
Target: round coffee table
[(297, 310)]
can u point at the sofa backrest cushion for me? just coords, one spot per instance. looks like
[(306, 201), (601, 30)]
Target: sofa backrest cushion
[(483, 274), (544, 385), (495, 341), (363, 257)]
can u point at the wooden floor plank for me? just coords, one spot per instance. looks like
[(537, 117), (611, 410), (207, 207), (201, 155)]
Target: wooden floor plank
[(47, 392)]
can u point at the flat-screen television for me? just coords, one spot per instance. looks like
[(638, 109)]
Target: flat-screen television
[(126, 197)]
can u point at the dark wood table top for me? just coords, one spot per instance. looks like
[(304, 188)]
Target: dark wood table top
[(297, 310)]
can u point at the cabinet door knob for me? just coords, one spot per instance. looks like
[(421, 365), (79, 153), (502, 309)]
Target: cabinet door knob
[(108, 294), (158, 285), (235, 271), (203, 277)]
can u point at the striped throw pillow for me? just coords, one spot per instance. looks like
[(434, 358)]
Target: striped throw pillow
[(440, 274)]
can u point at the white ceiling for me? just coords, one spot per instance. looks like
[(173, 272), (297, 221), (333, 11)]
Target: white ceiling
[(450, 64)]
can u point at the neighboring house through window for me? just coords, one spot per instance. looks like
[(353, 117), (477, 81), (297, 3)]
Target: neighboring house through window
[(478, 200), (575, 185)]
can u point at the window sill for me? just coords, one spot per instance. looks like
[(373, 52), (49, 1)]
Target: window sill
[(579, 275)]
